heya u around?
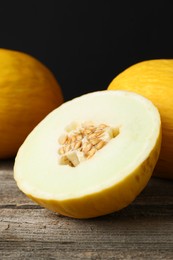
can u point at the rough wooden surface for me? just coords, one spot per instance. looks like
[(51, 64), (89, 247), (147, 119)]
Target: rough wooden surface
[(144, 230)]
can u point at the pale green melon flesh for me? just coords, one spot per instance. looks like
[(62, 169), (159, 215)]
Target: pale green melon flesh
[(38, 171)]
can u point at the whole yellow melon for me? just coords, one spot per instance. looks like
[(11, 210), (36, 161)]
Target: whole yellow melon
[(154, 80), (28, 92)]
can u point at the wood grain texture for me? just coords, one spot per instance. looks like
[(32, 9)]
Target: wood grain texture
[(143, 230)]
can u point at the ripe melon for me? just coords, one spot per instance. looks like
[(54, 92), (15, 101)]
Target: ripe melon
[(28, 92), (91, 156), (154, 80)]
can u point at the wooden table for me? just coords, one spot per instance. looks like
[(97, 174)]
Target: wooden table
[(144, 230)]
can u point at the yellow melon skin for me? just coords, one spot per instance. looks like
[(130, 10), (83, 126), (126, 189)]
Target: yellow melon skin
[(154, 80), (28, 92)]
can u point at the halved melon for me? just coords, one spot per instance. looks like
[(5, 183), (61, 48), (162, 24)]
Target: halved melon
[(92, 155)]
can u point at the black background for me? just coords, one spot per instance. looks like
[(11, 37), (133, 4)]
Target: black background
[(87, 43)]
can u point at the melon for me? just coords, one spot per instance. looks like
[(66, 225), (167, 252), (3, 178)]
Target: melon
[(28, 92), (153, 79), (92, 155)]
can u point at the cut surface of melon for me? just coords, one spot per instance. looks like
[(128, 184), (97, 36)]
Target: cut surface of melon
[(108, 180)]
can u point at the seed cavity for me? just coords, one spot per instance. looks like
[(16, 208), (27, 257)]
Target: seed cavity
[(81, 142)]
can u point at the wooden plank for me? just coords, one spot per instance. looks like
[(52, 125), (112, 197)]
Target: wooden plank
[(22, 229), (143, 230), (110, 236)]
